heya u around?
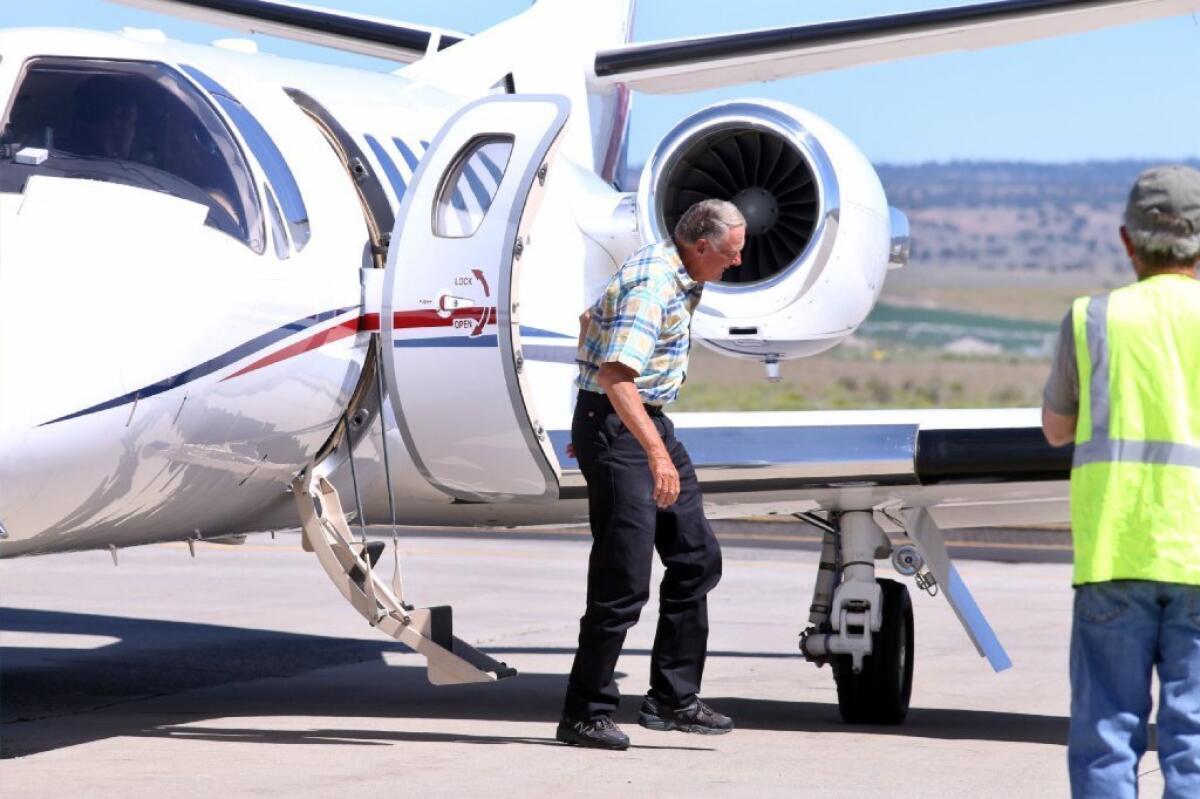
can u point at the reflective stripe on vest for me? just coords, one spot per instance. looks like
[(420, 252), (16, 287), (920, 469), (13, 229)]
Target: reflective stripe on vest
[(1099, 448), (1135, 479)]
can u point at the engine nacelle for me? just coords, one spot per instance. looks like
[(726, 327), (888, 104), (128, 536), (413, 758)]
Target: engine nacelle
[(819, 233)]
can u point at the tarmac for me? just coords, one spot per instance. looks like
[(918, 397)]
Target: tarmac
[(242, 672)]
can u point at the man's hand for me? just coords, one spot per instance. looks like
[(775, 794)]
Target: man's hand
[(1058, 429), (617, 381), (666, 480)]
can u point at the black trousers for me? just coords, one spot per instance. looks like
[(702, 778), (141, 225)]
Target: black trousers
[(626, 529)]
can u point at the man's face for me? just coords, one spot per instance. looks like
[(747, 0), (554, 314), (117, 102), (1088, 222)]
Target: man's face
[(711, 258)]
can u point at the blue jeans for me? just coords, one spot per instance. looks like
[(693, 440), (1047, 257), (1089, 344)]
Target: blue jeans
[(1122, 630)]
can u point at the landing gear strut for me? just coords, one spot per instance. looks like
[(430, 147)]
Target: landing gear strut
[(862, 625)]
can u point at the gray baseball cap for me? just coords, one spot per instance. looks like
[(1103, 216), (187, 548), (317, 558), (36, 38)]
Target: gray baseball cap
[(1165, 199)]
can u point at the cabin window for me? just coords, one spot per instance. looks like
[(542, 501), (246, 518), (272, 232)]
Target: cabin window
[(135, 123), (470, 185), (268, 155)]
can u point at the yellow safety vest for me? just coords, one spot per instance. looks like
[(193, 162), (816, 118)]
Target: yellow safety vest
[(1135, 479)]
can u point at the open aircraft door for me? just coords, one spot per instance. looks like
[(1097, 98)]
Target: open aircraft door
[(450, 319)]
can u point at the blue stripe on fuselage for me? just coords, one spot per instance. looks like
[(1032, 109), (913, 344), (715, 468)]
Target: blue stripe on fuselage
[(212, 365), (448, 341)]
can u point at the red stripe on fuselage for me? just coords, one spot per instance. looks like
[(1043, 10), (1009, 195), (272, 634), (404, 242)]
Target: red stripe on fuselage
[(340, 331), (369, 323), (408, 320)]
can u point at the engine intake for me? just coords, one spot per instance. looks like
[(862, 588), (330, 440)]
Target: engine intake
[(765, 175), (759, 158), (818, 227)]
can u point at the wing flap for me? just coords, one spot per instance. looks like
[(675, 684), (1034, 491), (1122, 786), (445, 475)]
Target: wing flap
[(694, 64), (370, 36)]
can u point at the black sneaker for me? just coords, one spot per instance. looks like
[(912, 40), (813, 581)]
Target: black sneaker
[(598, 734), (696, 717)]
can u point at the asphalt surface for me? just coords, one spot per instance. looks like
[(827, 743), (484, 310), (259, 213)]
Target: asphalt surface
[(242, 672)]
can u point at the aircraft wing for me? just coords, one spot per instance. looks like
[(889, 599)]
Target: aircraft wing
[(970, 468), (708, 62), (370, 36)]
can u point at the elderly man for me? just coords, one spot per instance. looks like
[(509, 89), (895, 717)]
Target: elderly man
[(1125, 387), (642, 489)]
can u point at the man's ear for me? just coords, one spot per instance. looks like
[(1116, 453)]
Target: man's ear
[(1127, 241), (701, 246)]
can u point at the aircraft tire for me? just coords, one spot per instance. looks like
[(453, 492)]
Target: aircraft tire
[(881, 692)]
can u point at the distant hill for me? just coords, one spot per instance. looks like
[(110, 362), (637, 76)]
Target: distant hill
[(1027, 219), (1098, 184)]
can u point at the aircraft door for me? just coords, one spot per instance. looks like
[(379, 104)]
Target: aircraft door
[(450, 318)]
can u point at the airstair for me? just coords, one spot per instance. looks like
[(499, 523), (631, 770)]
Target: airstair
[(350, 566)]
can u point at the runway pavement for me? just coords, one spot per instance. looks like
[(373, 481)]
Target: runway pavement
[(242, 672)]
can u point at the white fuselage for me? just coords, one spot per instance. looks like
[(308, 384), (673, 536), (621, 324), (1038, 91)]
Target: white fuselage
[(161, 379), (124, 416)]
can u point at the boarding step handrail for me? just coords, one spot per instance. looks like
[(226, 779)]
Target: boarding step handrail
[(428, 631)]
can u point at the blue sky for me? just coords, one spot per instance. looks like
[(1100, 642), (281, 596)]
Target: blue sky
[(1131, 92)]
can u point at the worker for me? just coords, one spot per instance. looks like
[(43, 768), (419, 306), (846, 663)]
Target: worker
[(1125, 388)]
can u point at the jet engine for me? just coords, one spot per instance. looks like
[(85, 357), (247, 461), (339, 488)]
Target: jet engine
[(820, 236)]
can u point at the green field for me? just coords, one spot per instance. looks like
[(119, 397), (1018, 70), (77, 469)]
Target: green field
[(938, 328), (903, 356)]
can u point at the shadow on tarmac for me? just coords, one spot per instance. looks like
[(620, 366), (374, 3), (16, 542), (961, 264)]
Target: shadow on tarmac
[(358, 737), (53, 698)]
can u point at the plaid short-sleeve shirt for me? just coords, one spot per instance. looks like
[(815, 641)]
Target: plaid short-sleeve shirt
[(644, 321)]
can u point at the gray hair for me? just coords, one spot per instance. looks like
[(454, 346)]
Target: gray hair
[(708, 219), (1158, 249)]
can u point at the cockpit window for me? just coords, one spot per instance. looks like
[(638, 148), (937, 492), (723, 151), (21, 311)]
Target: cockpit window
[(267, 153), (135, 123)]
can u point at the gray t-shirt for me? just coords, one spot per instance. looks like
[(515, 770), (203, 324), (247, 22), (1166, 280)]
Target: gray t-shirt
[(1062, 387)]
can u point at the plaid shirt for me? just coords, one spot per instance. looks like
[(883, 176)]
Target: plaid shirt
[(644, 321)]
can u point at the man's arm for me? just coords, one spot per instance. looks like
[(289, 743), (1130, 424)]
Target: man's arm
[(1058, 429), (1060, 399), (617, 381), (584, 319)]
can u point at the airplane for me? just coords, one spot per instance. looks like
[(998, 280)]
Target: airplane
[(283, 283)]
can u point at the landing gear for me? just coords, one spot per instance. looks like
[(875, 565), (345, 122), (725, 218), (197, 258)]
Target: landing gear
[(862, 625), (879, 693)]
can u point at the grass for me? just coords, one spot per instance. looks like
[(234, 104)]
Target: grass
[(873, 379), (1045, 304)]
